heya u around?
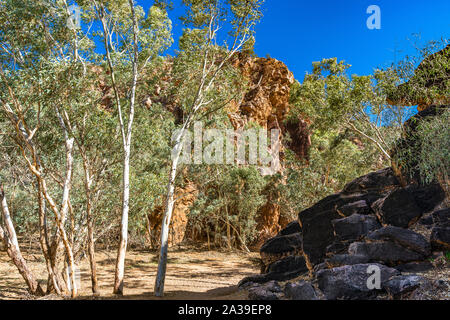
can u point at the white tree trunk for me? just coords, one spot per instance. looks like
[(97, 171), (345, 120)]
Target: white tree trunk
[(120, 262), (162, 264)]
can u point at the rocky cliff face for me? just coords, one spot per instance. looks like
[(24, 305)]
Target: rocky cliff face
[(267, 101), (267, 104), (185, 198)]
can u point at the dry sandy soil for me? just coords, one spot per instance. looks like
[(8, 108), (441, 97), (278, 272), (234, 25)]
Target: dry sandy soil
[(191, 274)]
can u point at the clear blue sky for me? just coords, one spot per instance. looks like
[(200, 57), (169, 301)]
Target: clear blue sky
[(298, 32)]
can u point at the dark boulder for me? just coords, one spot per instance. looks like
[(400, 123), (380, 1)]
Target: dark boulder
[(427, 197), (441, 218), (379, 181), (420, 266), (315, 222), (351, 282), (337, 247), (426, 221), (282, 244), (340, 260), (292, 227), (406, 238), (268, 291), (280, 247), (301, 290), (354, 227), (398, 209), (440, 238), (400, 285), (359, 207), (254, 279), (289, 264), (385, 252), (285, 269), (318, 234)]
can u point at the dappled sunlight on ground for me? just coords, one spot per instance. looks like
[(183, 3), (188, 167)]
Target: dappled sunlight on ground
[(191, 274)]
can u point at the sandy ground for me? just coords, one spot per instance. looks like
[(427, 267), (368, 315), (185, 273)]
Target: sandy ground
[(191, 274)]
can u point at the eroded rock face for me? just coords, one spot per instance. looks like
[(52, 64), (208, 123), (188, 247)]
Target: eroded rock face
[(268, 222), (267, 101), (269, 90), (185, 198)]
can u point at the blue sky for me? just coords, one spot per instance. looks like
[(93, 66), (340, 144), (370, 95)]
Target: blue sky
[(299, 32)]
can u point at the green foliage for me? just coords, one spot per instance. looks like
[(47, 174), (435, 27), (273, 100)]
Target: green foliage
[(423, 77), (228, 195), (426, 152), (335, 158)]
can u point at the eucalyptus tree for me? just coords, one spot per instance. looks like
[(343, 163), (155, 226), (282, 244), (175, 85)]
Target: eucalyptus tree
[(334, 100), (34, 49), (206, 62), (131, 40)]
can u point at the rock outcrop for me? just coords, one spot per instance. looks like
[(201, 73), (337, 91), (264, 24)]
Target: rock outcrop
[(185, 198), (431, 74), (337, 241)]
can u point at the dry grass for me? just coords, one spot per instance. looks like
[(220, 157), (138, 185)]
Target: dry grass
[(191, 274)]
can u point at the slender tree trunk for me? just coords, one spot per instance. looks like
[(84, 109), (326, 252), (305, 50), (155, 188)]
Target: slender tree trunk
[(65, 206), (162, 265), (12, 247), (120, 262), (228, 229), (90, 223), (52, 282), (64, 238)]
